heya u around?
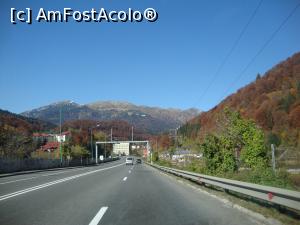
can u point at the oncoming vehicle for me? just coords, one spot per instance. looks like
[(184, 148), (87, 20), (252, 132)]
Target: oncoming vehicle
[(138, 161), (129, 161)]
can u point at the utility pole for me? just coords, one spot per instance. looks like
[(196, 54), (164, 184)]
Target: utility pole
[(111, 134), (176, 142), (151, 152), (92, 150), (132, 133), (105, 148), (60, 137), (96, 153), (92, 144), (273, 157)]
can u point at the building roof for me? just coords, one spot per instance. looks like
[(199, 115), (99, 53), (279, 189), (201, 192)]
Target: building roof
[(42, 135), (182, 152), (50, 135), (66, 133), (50, 145)]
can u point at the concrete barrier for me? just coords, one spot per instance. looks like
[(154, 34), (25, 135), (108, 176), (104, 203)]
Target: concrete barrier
[(8, 165)]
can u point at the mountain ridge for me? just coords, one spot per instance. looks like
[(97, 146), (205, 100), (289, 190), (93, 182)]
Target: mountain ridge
[(147, 118)]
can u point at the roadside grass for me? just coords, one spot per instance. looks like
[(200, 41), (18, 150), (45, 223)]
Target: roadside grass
[(280, 178), (295, 178)]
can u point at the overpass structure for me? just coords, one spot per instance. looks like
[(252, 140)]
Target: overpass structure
[(120, 142)]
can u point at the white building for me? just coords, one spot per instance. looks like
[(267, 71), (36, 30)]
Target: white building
[(63, 137), (121, 148)]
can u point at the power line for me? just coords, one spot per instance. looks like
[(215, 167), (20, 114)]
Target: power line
[(261, 50), (230, 51)]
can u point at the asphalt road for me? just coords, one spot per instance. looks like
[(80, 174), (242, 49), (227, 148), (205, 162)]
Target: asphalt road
[(111, 193)]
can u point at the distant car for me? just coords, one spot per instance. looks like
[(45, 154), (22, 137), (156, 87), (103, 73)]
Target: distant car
[(129, 161), (138, 161)]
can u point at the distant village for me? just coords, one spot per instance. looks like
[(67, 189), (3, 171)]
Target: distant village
[(49, 144)]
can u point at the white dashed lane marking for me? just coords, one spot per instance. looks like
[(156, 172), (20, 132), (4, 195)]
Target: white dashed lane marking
[(98, 216)]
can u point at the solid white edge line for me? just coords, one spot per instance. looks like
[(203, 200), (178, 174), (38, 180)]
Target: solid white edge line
[(3, 197), (98, 216), (125, 178)]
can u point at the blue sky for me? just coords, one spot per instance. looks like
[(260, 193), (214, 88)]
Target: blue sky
[(167, 63)]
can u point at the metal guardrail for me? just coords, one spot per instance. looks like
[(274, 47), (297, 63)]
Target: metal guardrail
[(275, 195)]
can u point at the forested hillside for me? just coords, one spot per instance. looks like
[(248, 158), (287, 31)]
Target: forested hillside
[(272, 101), (16, 134), (23, 124)]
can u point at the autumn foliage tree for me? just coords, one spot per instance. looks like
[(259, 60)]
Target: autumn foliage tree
[(238, 141)]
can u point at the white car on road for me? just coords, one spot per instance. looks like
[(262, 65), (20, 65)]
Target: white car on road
[(129, 161)]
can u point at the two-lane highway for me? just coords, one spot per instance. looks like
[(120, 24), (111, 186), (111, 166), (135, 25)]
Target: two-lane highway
[(111, 193)]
